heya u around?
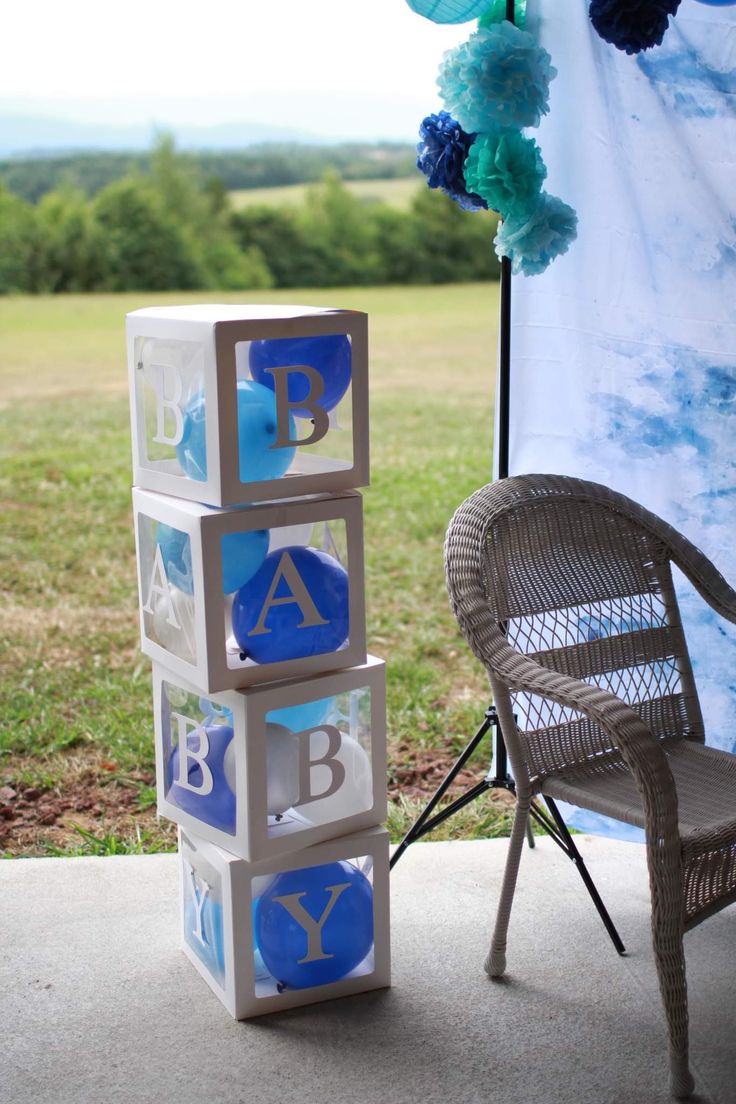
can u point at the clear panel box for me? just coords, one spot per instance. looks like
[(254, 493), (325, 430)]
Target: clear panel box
[(239, 404), (270, 770), (284, 932), (230, 598)]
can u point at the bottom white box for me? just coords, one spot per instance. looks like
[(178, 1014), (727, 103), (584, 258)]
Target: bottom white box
[(280, 933)]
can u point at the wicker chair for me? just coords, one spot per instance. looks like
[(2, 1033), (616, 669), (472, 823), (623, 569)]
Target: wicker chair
[(563, 589)]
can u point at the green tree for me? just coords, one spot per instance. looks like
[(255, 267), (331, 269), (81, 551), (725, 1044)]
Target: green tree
[(146, 248), (279, 237), (73, 246), (454, 245), (20, 245), (340, 225), (202, 213)]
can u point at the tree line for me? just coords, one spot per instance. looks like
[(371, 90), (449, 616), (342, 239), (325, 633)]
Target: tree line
[(172, 228), (258, 166)]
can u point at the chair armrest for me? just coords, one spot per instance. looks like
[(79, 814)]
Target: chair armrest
[(640, 750)]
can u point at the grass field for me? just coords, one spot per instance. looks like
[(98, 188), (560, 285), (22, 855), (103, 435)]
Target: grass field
[(395, 193), (76, 749)]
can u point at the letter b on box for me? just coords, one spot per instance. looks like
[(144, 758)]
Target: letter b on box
[(274, 769), (232, 405)]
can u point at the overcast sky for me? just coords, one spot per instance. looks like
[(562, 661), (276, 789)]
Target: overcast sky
[(334, 67)]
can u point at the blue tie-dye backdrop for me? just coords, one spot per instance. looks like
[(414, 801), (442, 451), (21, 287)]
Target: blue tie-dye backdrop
[(624, 351)]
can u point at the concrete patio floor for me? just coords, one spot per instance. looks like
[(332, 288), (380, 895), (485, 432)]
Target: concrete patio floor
[(99, 1006)]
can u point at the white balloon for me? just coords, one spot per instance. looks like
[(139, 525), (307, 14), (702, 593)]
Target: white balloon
[(228, 765), (282, 769), (181, 641), (356, 793), (287, 535)]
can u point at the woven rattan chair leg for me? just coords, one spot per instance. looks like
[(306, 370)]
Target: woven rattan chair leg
[(670, 959), (495, 964)]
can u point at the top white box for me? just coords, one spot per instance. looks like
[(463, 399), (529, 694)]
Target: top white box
[(239, 404)]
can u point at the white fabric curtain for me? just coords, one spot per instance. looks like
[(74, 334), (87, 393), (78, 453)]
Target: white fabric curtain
[(624, 351)]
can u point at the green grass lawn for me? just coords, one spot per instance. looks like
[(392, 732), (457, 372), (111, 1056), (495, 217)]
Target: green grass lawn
[(76, 746), (395, 193)]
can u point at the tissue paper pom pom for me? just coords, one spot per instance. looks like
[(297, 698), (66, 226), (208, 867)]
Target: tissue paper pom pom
[(441, 153), (632, 25), (506, 169), (499, 77), (534, 237)]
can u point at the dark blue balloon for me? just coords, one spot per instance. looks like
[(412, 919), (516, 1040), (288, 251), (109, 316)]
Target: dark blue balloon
[(330, 355), (242, 554), (176, 552), (286, 637), (346, 935), (718, 3), (256, 435), (217, 807)]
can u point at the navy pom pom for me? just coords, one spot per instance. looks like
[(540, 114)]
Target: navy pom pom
[(632, 25), (441, 153)]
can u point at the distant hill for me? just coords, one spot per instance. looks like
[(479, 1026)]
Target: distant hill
[(258, 166), (21, 135)]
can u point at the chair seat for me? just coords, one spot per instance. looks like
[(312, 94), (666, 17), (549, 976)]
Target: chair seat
[(705, 780)]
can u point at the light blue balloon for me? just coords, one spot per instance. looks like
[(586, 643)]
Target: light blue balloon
[(212, 951), (176, 552), (256, 436), (242, 555), (301, 717), (449, 11)]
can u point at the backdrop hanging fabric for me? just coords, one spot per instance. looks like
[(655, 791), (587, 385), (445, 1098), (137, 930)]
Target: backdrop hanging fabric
[(623, 364)]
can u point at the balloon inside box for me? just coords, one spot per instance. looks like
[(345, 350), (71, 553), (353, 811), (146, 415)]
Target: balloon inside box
[(264, 771), (225, 420), (311, 927), (279, 585)]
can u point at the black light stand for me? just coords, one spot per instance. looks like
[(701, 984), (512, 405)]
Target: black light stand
[(498, 777)]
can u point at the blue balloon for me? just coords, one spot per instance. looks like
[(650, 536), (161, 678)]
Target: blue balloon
[(216, 808), (330, 355), (718, 3), (256, 435), (301, 717), (176, 552), (286, 637), (346, 935), (212, 951), (242, 554)]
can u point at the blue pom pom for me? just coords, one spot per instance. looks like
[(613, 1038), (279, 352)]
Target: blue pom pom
[(632, 25), (532, 238), (441, 153), (498, 78)]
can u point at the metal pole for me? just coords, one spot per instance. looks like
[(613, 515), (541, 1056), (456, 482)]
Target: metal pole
[(504, 356)]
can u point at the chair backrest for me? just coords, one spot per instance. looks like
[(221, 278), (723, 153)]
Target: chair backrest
[(578, 578)]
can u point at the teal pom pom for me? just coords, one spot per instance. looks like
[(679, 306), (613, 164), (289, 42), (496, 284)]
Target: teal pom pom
[(498, 78), (506, 169), (532, 238)]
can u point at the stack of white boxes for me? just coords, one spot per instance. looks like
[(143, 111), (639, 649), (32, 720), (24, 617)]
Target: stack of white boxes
[(270, 718)]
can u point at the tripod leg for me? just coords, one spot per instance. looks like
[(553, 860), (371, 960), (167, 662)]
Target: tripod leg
[(568, 845), (419, 824)]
